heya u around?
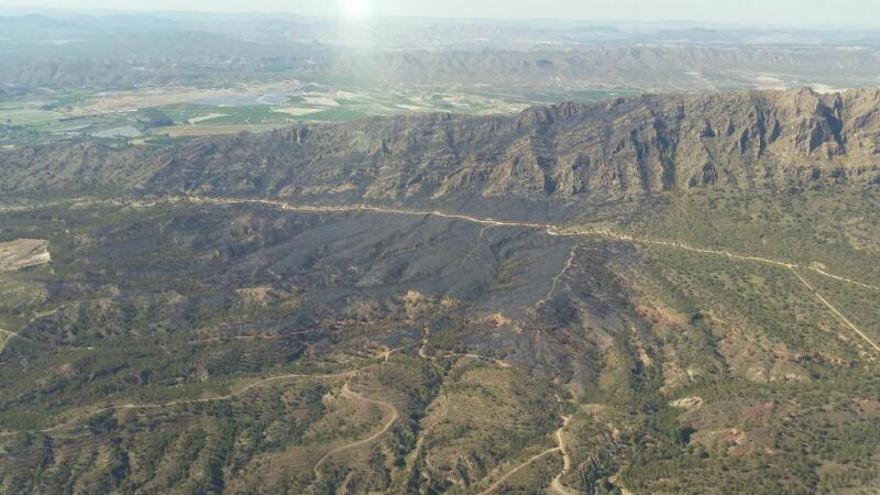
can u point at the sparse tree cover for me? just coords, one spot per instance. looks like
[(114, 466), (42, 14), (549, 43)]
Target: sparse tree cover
[(241, 375), (467, 293)]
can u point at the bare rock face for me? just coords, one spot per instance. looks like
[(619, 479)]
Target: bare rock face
[(623, 148), (23, 253)]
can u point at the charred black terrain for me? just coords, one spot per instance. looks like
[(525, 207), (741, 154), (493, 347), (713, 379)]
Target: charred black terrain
[(663, 294)]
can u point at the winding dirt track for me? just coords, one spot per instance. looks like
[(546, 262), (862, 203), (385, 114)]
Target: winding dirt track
[(556, 484), (346, 392), (567, 266), (556, 231), (387, 406), (242, 391), (507, 475), (843, 279), (549, 229)]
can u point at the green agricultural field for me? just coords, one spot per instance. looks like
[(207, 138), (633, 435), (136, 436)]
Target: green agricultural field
[(28, 116), (338, 114), (255, 114), (68, 114)]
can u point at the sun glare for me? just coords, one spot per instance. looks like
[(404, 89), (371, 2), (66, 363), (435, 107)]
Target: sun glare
[(355, 8)]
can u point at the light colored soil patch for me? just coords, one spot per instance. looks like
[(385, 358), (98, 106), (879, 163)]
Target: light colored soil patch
[(124, 131), (29, 116), (826, 89), (213, 130), (298, 111), (196, 120), (320, 100), (125, 101), (688, 403), (23, 253), (414, 108), (122, 101), (769, 81)]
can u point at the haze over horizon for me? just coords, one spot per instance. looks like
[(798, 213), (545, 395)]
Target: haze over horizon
[(794, 13)]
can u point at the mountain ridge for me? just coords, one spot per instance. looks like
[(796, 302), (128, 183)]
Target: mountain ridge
[(633, 147)]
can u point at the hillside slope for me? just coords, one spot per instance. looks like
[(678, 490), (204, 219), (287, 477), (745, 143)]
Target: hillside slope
[(624, 148), (655, 295)]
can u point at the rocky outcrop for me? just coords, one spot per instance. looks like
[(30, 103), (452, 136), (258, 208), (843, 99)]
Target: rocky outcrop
[(23, 253), (622, 148)]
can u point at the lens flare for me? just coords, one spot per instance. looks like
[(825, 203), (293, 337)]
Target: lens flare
[(355, 8)]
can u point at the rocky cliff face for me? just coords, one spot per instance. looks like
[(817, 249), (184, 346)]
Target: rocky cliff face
[(622, 148)]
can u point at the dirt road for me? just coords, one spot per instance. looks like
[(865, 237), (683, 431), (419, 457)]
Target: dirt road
[(386, 406)]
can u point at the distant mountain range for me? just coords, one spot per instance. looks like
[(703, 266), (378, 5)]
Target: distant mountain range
[(155, 50)]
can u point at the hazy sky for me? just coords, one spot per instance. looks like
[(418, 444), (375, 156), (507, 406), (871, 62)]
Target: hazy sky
[(773, 12)]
